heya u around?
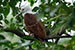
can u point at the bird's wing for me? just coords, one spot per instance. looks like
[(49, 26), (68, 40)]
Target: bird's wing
[(29, 29)]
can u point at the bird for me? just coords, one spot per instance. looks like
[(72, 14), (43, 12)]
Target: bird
[(35, 27)]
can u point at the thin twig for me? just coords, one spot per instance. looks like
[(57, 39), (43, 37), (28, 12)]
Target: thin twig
[(62, 32), (55, 37)]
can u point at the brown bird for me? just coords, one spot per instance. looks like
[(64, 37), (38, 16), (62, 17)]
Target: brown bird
[(35, 27)]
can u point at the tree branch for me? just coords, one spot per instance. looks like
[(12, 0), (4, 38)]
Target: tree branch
[(20, 34), (17, 32), (55, 37), (62, 32)]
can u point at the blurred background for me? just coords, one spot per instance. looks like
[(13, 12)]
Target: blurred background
[(57, 16)]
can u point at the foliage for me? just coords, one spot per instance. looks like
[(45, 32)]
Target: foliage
[(60, 12)]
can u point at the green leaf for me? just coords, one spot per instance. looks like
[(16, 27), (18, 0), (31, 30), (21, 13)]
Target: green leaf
[(38, 45), (19, 19), (11, 25), (5, 42), (15, 43), (39, 16), (54, 18), (73, 38), (71, 20), (50, 43), (0, 22), (5, 2), (5, 48), (15, 11), (35, 9), (42, 1), (34, 46), (6, 21), (52, 13), (58, 27), (0, 2), (6, 10), (13, 3), (11, 20), (1, 17), (56, 0), (2, 37), (57, 47), (1, 9), (22, 40), (31, 2), (22, 47), (28, 37)]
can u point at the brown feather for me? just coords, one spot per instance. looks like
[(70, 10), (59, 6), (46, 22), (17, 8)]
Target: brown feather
[(34, 26)]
